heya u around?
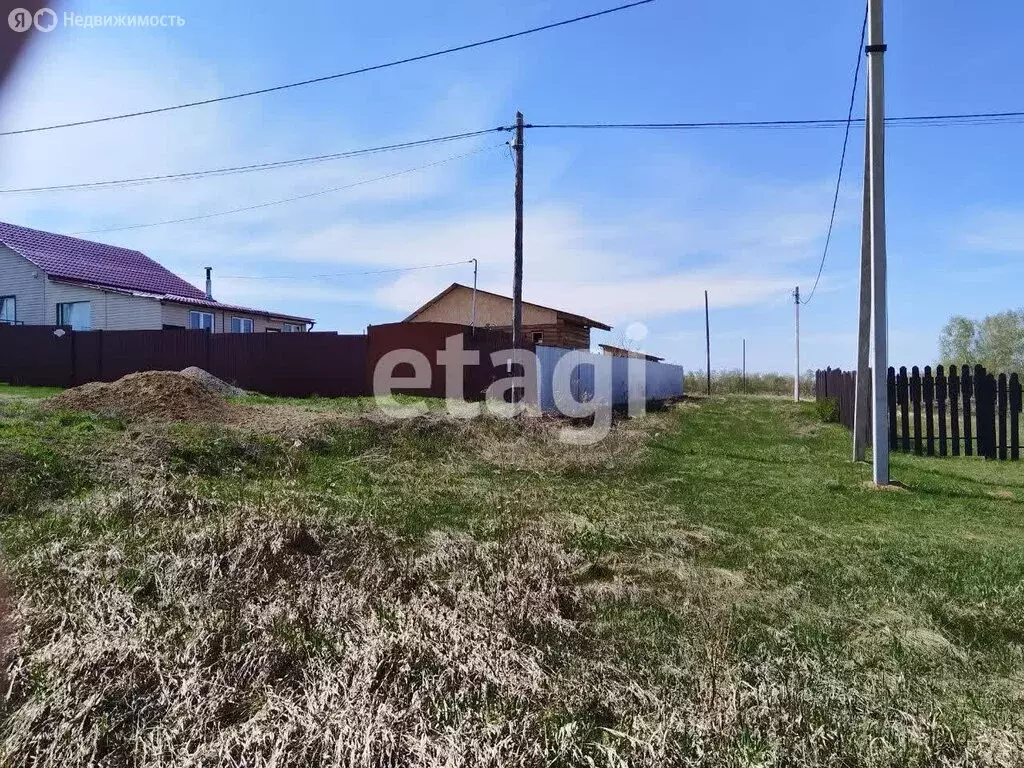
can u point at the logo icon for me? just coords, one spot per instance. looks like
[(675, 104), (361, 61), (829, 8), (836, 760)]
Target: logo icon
[(22, 20), (19, 20), (45, 19)]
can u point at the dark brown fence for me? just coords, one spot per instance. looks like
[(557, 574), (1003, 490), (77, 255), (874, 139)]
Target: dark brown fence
[(286, 365), (429, 339), (960, 413)]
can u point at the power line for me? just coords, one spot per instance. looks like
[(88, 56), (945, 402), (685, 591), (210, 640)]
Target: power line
[(975, 118), (839, 178), (285, 200), (346, 274), (336, 76), (139, 180)]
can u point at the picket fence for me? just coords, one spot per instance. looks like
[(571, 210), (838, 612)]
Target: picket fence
[(959, 413)]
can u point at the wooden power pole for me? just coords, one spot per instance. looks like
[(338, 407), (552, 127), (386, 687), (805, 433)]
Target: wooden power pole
[(707, 337), (517, 275), (796, 372)]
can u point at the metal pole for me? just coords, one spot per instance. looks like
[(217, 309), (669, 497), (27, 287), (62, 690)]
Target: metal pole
[(472, 318), (744, 365), (796, 376), (879, 321), (707, 334), (862, 399), (517, 279)]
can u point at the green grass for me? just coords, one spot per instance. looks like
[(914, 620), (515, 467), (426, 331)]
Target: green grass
[(717, 585), (731, 382), (34, 393)]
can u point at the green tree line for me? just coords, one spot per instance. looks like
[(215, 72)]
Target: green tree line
[(997, 342)]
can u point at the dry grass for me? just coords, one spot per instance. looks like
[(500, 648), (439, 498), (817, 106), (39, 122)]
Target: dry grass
[(704, 597), (209, 632)]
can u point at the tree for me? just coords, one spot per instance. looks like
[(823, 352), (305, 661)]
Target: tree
[(997, 342), (1000, 341), (958, 344)]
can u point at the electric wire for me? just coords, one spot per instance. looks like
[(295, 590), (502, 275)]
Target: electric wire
[(282, 201), (335, 76), (978, 118), (238, 169), (971, 118), (842, 160), (347, 274)]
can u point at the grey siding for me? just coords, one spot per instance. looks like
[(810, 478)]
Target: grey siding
[(38, 297), (111, 311), (20, 278), (177, 314)]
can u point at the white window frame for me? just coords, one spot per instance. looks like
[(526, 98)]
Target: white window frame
[(200, 314), (61, 314), (5, 302), (242, 323), (291, 328)]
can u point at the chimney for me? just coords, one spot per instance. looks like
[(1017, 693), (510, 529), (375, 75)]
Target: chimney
[(209, 284)]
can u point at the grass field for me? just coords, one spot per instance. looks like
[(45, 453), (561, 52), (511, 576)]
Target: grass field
[(714, 585)]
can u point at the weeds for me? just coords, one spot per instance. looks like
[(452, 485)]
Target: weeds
[(709, 587)]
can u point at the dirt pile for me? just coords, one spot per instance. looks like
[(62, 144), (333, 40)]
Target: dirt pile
[(148, 396), (212, 383)]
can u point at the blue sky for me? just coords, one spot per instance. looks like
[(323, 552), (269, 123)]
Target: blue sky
[(621, 226)]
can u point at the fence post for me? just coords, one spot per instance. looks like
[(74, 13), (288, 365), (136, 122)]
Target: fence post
[(991, 450), (1002, 416), (954, 411), (891, 386), (967, 389), (929, 411), (915, 399), (940, 400), (1015, 406)]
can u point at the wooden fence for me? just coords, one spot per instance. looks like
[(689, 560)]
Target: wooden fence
[(960, 413)]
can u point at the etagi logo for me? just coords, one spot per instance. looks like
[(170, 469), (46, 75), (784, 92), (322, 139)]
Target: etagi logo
[(21, 20)]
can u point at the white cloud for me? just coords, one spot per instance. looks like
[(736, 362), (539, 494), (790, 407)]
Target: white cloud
[(648, 254), (995, 232)]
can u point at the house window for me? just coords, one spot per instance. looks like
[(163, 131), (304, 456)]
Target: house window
[(8, 309), (241, 325), (292, 328), (77, 314), (200, 321), (273, 330), (538, 337)]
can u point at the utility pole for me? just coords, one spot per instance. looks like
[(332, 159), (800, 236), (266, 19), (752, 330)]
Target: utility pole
[(472, 311), (796, 374), (879, 321), (517, 279), (707, 335), (862, 398), (744, 365)]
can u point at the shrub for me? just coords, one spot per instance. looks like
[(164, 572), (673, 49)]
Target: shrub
[(827, 409)]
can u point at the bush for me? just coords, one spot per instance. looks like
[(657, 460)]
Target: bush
[(827, 409), (732, 383)]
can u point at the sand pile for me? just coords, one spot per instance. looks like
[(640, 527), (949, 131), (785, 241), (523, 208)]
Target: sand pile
[(212, 383), (148, 396)]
